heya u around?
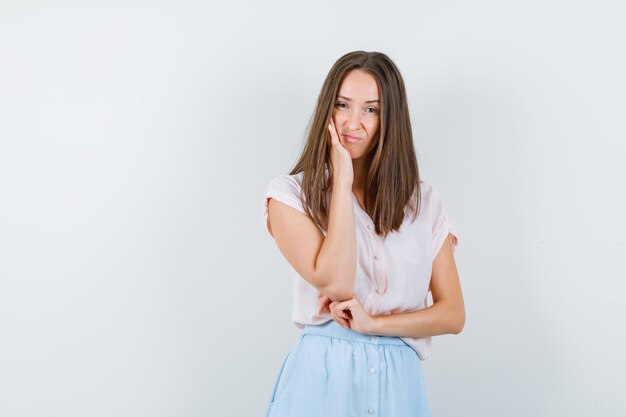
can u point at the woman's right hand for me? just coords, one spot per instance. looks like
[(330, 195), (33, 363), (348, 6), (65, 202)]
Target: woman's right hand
[(340, 158)]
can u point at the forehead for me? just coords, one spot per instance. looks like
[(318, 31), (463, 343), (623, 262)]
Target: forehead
[(359, 86)]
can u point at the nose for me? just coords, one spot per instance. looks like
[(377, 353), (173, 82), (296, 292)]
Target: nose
[(353, 122)]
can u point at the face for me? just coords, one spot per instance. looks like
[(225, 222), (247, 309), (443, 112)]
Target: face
[(356, 113)]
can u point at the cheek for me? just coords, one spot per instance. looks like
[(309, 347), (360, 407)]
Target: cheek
[(373, 129)]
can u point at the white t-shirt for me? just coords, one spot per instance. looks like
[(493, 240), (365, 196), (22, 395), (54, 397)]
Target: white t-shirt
[(392, 274)]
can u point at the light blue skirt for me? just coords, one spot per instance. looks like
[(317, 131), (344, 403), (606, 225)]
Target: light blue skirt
[(338, 372)]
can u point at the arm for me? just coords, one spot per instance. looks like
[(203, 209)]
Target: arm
[(337, 257), (328, 263), (446, 315)]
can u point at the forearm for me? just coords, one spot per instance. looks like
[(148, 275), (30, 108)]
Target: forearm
[(441, 318), (336, 259)]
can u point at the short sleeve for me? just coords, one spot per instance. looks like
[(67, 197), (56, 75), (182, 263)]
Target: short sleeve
[(441, 224), (286, 189)]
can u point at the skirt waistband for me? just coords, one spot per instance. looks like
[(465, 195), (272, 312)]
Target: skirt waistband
[(333, 329)]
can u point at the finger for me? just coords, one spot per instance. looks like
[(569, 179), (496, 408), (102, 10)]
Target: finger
[(342, 316), (337, 311), (344, 305), (340, 320), (323, 307), (342, 313), (333, 133)]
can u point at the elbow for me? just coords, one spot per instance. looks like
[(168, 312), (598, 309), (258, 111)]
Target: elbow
[(458, 328), (337, 292), (334, 281), (335, 286), (343, 294), (456, 325)]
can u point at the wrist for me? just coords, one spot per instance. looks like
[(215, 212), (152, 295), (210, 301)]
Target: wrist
[(375, 325), (342, 184)]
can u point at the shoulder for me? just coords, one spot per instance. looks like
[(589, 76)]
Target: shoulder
[(286, 183), (425, 187), (436, 215), (286, 189), (428, 193), (430, 200), (433, 204)]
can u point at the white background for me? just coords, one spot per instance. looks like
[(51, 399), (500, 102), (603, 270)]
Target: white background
[(136, 141)]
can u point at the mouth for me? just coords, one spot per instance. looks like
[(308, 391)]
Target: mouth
[(352, 139)]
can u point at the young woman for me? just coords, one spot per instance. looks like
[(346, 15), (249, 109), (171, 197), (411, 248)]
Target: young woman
[(367, 240)]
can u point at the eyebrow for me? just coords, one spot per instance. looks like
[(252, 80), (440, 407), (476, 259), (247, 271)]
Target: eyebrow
[(349, 99)]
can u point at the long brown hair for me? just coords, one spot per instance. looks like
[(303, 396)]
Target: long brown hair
[(393, 175)]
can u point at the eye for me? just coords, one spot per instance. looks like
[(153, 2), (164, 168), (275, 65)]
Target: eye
[(373, 108), (339, 103)]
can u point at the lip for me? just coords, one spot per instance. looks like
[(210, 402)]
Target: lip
[(352, 139)]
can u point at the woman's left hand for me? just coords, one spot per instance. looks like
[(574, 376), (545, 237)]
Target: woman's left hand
[(350, 312)]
